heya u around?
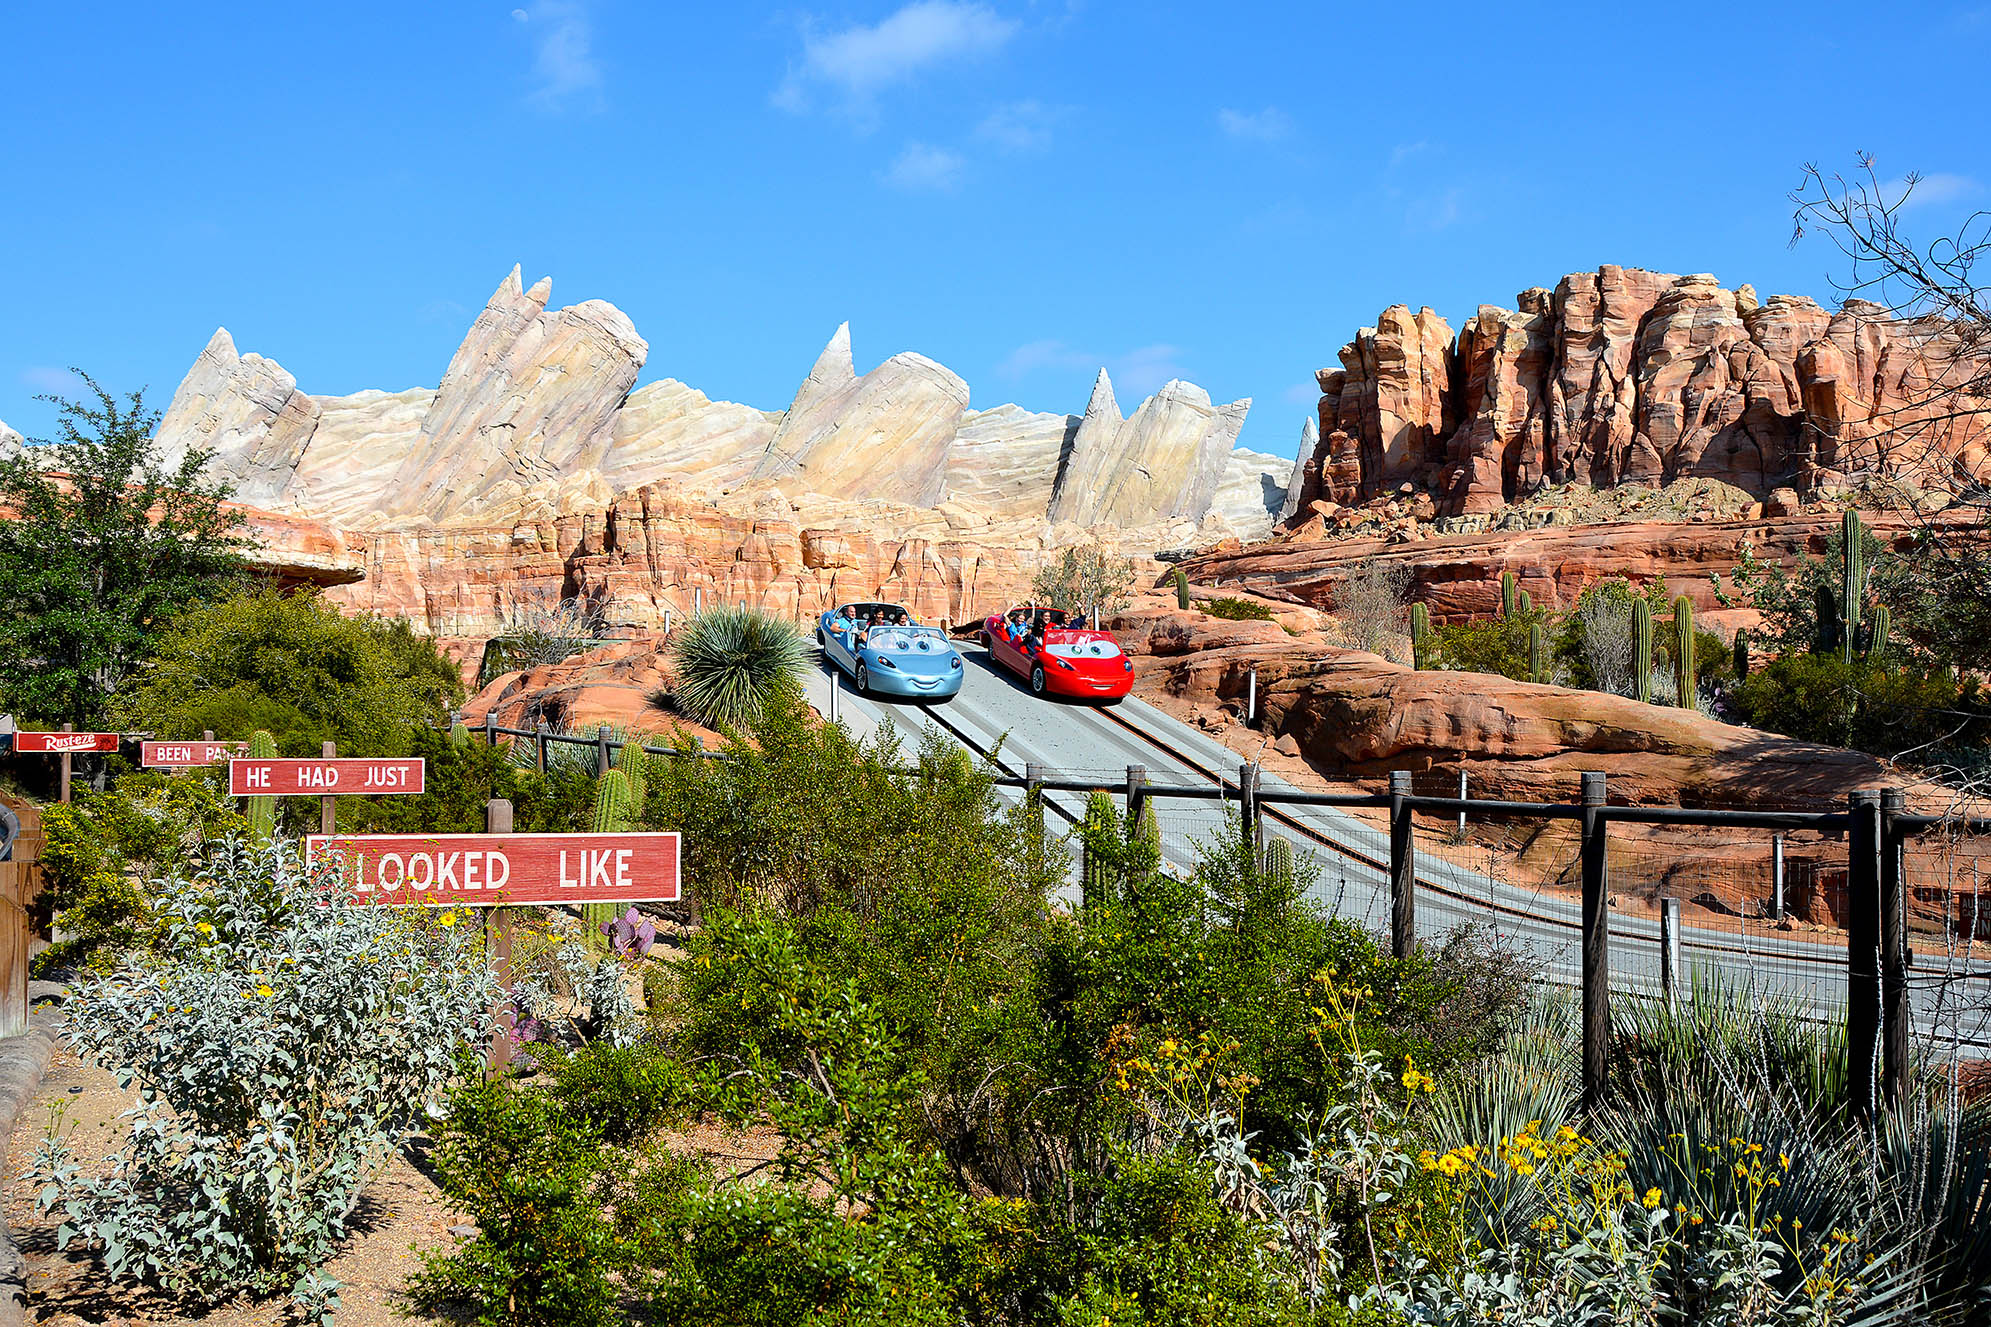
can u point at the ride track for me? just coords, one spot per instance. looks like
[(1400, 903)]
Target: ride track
[(995, 717)]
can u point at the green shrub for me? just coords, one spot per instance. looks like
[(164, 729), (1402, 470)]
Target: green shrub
[(623, 1091), (1238, 610), (282, 1040), (462, 777), (297, 667), (731, 663), (1869, 704)]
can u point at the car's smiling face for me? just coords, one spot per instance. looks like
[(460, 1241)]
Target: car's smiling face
[(911, 649)]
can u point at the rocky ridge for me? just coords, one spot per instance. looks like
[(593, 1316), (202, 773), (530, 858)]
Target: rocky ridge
[(535, 419), (1625, 376)]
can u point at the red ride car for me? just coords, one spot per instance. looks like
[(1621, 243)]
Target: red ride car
[(1084, 663)]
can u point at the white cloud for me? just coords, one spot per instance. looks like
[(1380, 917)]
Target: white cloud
[(1020, 126), (1930, 190), (1266, 126), (47, 378), (923, 168), (1136, 373), (1403, 152), (856, 62), (564, 66)]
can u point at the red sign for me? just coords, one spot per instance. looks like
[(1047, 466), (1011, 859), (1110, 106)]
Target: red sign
[(52, 743), (488, 870), (323, 778), (185, 755)]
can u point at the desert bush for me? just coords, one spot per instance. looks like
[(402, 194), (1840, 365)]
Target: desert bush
[(1086, 579), (462, 777), (1868, 704), (1371, 604), (731, 663), (282, 1039), (537, 632), (1238, 610), (297, 667)]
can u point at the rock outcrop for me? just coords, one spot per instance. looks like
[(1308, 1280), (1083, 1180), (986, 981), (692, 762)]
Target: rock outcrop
[(536, 419), (1623, 376), (10, 441), (1163, 464)]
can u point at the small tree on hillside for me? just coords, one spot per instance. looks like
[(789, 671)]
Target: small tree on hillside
[(1085, 579), (102, 545), (1370, 603)]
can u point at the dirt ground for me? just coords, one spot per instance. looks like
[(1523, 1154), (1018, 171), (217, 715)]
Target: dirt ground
[(401, 1212)]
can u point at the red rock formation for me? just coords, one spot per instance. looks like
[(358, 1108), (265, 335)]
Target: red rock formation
[(1627, 376)]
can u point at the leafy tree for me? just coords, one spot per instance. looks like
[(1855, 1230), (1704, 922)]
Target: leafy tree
[(106, 544), (1086, 580), (296, 666)]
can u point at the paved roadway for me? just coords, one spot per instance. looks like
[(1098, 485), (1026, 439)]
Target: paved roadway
[(995, 712)]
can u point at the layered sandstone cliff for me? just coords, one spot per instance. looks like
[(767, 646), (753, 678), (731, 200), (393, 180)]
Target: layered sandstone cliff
[(1624, 376), (536, 419)]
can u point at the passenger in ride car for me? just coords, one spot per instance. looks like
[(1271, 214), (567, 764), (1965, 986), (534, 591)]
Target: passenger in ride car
[(842, 625), (1012, 626)]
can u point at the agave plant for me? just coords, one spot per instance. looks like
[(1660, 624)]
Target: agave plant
[(730, 662)]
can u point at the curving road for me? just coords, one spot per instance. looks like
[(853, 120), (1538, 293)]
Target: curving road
[(996, 715)]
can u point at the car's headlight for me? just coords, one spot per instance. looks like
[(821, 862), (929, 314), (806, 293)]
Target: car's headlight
[(1066, 665), (886, 662), (1127, 665), (955, 662)]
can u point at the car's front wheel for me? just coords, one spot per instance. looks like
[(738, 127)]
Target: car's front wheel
[(863, 679), (1037, 679)]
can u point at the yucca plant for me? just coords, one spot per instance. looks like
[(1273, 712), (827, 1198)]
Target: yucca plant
[(730, 662)]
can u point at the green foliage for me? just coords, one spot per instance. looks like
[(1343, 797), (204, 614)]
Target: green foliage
[(532, 1173), (461, 780), (1086, 579), (1489, 645), (95, 564), (1101, 824), (1642, 650), (1805, 607), (1238, 610), (1871, 704), (731, 663), (99, 851), (282, 1039), (1686, 680), (1741, 652), (1420, 635), (1181, 583), (261, 811), (296, 666)]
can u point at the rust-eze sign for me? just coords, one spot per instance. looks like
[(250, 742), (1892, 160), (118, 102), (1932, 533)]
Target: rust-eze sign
[(56, 743), (493, 870), (186, 755), (324, 778)]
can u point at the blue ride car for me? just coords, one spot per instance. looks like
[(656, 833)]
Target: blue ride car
[(909, 662)]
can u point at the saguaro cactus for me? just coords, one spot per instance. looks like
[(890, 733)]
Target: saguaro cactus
[(1145, 839), (611, 816), (261, 811), (1420, 635), (1686, 682), (1507, 601), (1101, 824), (1524, 603), (1826, 608), (1537, 654), (1742, 654), (1853, 559), (1883, 623), (1181, 588), (1642, 649), (635, 766)]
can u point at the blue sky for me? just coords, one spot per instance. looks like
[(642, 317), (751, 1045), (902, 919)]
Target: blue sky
[(1022, 191)]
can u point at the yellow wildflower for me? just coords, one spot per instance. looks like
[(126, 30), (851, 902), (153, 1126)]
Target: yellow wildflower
[(447, 919), (1652, 1200), (265, 992)]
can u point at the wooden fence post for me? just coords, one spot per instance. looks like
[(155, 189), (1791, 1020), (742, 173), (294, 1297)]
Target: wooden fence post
[(539, 755), (491, 726), (63, 765), (1137, 796), (601, 750), (328, 805), (498, 949), (1893, 949), (20, 881), (1596, 943), (1403, 867), (1862, 949)]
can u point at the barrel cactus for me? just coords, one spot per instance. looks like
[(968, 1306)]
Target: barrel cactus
[(1686, 682), (1507, 600), (1642, 649), (1279, 866), (458, 734), (261, 811), (1420, 636), (1181, 588)]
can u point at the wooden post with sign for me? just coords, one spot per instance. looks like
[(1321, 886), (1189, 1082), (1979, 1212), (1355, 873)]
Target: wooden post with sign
[(328, 805), (20, 881), (67, 728), (498, 947)]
